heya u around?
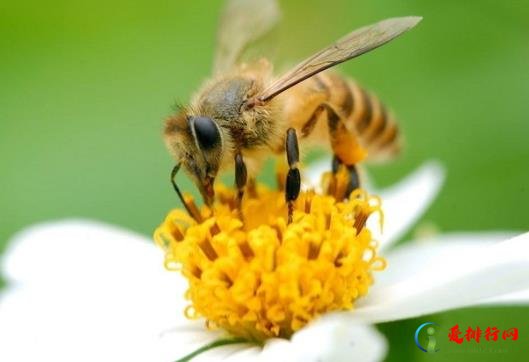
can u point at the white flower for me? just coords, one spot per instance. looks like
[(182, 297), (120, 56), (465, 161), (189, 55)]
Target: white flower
[(85, 291)]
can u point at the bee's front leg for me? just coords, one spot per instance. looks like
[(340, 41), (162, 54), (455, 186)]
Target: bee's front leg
[(293, 179)]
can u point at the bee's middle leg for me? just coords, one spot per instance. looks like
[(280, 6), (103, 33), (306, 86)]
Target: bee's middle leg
[(293, 179), (337, 129)]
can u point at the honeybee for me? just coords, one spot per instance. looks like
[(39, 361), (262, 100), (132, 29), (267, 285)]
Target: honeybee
[(244, 114)]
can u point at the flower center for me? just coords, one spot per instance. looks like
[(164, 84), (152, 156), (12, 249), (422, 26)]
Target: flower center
[(258, 277)]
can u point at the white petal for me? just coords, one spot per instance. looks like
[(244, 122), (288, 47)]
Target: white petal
[(516, 298), (335, 337), (413, 257), (85, 291), (463, 277), (180, 343), (243, 353), (72, 249), (404, 203), (312, 175)]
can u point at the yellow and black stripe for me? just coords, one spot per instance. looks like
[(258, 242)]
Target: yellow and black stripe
[(355, 111), (364, 113)]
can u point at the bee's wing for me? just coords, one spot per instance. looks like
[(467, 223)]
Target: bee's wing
[(352, 45), (242, 22)]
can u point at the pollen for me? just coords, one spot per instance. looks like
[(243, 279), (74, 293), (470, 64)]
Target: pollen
[(256, 276)]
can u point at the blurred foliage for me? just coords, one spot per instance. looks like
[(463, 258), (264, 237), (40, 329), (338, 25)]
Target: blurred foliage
[(85, 86)]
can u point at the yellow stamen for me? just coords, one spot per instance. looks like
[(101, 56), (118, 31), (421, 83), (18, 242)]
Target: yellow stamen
[(265, 278)]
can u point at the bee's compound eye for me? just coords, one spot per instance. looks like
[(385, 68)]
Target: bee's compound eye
[(206, 131)]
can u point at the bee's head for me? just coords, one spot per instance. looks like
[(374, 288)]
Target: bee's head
[(197, 142)]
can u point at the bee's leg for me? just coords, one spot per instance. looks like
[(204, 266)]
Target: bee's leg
[(354, 178), (340, 136), (293, 179), (241, 177)]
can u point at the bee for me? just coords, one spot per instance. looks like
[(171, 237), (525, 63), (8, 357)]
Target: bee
[(245, 114)]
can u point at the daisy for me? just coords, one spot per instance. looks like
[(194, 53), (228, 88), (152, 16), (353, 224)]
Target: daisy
[(86, 291)]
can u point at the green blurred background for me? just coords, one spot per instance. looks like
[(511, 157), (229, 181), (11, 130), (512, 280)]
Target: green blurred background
[(84, 87)]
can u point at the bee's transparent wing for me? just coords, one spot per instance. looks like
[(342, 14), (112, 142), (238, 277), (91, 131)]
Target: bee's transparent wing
[(242, 22), (352, 45)]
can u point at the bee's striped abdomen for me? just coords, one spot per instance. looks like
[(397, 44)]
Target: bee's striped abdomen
[(364, 114)]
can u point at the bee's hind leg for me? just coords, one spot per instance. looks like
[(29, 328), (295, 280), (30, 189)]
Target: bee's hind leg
[(293, 179), (340, 136), (354, 178)]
